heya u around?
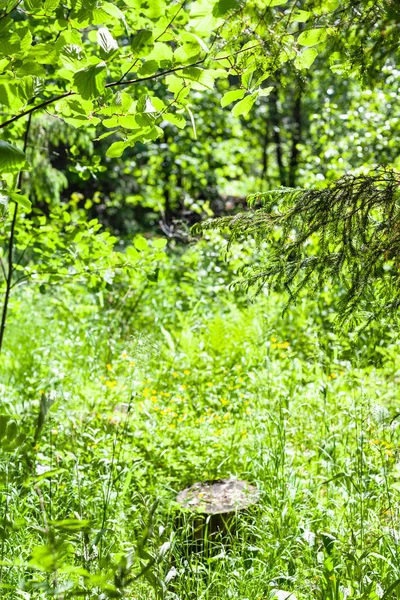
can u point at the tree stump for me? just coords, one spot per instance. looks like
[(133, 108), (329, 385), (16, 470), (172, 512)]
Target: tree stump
[(212, 506)]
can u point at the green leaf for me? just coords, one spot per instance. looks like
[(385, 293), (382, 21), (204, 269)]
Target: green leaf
[(159, 243), (201, 78), (224, 6), (161, 52), (312, 37), (12, 431), (306, 58), (153, 9), (71, 525), (199, 41), (301, 16), (140, 243), (12, 159), (132, 254), (265, 92), (90, 80), (30, 67), (142, 43), (21, 200), (148, 68), (116, 149), (231, 96), (4, 420), (244, 106), (114, 11), (178, 120), (106, 42), (50, 5)]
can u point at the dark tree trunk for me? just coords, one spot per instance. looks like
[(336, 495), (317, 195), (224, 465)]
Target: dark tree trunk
[(296, 139), (276, 135), (266, 142)]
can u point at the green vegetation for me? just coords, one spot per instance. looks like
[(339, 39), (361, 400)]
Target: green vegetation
[(199, 239)]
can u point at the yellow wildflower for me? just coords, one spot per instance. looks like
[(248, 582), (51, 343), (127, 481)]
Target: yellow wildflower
[(186, 372), (109, 367)]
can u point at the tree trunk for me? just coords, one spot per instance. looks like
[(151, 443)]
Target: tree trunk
[(296, 139), (276, 134)]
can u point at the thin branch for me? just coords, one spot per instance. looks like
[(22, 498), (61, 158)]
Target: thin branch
[(4, 15), (11, 245)]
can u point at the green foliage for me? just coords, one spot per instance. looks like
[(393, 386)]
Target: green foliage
[(128, 369)]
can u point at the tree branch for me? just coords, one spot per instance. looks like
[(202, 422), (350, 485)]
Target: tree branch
[(10, 257), (108, 85)]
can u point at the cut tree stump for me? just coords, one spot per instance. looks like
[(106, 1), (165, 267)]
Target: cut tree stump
[(212, 506)]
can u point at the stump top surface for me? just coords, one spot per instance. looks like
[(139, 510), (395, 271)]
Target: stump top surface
[(218, 497)]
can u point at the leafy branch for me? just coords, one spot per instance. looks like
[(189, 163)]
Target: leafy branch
[(111, 84)]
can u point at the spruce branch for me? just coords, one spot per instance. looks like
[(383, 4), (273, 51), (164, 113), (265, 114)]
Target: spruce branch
[(348, 233)]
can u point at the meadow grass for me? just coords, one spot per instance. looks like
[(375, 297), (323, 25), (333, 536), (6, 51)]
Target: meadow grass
[(123, 408)]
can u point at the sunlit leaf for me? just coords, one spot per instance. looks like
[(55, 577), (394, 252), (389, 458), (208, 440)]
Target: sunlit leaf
[(243, 107), (224, 6), (311, 37), (231, 96), (21, 200), (301, 16), (306, 58), (106, 42), (178, 120), (116, 149), (90, 80), (12, 159)]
